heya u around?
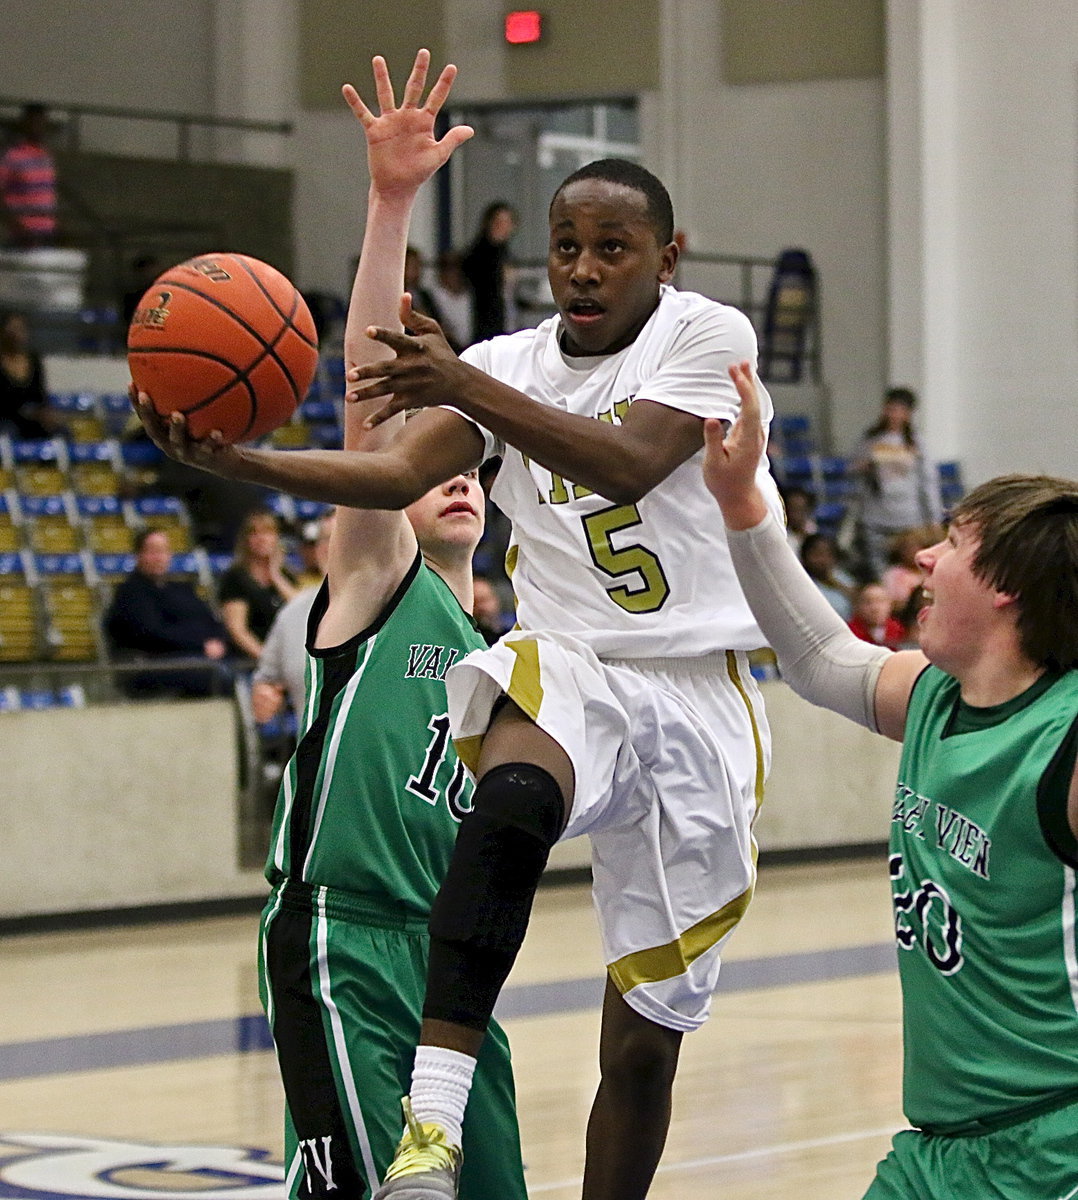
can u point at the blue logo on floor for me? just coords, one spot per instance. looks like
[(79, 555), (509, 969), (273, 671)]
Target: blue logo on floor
[(40, 1166)]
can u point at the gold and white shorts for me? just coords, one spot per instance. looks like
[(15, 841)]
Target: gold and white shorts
[(670, 757)]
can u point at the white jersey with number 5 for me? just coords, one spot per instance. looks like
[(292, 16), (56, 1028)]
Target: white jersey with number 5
[(644, 580)]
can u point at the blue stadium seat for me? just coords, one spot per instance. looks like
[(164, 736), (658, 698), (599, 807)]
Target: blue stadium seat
[(310, 510), (94, 467), (117, 412), (111, 568), (13, 564), (80, 413), (952, 488), (40, 465), (795, 433), (796, 471), (53, 565), (51, 523), (838, 481), (828, 517), (140, 454), (160, 506), (99, 506), (282, 505), (319, 410)]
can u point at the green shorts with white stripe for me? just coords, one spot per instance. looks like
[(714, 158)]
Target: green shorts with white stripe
[(342, 980)]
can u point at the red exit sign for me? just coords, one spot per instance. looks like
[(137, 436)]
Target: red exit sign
[(523, 27)]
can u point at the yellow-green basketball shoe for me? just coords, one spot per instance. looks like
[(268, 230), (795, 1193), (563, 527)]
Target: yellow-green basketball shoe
[(425, 1167)]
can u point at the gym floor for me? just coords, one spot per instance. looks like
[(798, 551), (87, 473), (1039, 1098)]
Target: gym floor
[(134, 1062)]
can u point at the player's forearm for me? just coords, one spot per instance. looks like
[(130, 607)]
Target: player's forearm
[(379, 279), (594, 454), (818, 655), (745, 511), (375, 300), (356, 479)]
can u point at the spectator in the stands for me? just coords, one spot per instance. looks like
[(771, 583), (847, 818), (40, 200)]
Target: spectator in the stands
[(486, 266), (907, 614), (24, 411), (152, 616), (28, 192), (898, 488), (488, 610), (800, 506), (422, 299), (873, 620), (820, 558), (281, 670), (310, 544), (904, 575), (453, 295), (145, 268), (257, 583)]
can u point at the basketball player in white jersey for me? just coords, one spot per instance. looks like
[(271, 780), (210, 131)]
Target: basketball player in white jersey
[(623, 707)]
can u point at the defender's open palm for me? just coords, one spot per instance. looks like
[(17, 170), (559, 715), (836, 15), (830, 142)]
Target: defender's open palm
[(732, 458), (402, 151)]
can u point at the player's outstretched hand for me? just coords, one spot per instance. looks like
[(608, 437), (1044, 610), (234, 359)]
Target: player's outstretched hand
[(424, 372), (170, 435), (732, 456), (402, 151)]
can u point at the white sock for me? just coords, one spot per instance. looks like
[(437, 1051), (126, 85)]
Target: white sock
[(441, 1081)]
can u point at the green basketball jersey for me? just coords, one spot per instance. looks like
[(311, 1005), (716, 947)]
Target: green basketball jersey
[(371, 800), (983, 880)]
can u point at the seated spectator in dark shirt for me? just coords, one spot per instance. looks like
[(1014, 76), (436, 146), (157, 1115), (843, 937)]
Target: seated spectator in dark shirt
[(154, 617), (23, 399), (873, 620), (800, 506), (256, 585), (820, 558)]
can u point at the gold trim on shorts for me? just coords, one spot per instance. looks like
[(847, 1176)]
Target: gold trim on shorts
[(667, 962), (525, 690)]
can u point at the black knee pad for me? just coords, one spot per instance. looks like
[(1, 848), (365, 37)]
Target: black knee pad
[(501, 852), (479, 917)]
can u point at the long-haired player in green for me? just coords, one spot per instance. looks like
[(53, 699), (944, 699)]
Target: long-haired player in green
[(984, 830)]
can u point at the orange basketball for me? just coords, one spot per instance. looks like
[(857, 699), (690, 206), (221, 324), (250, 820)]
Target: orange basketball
[(226, 340)]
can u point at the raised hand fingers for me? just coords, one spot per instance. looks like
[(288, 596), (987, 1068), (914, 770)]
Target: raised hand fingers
[(455, 137), (352, 99), (417, 80), (714, 436), (440, 91), (383, 86), (741, 374), (391, 409), (154, 424)]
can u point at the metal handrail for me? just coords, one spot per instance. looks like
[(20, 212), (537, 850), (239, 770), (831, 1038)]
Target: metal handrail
[(184, 122)]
